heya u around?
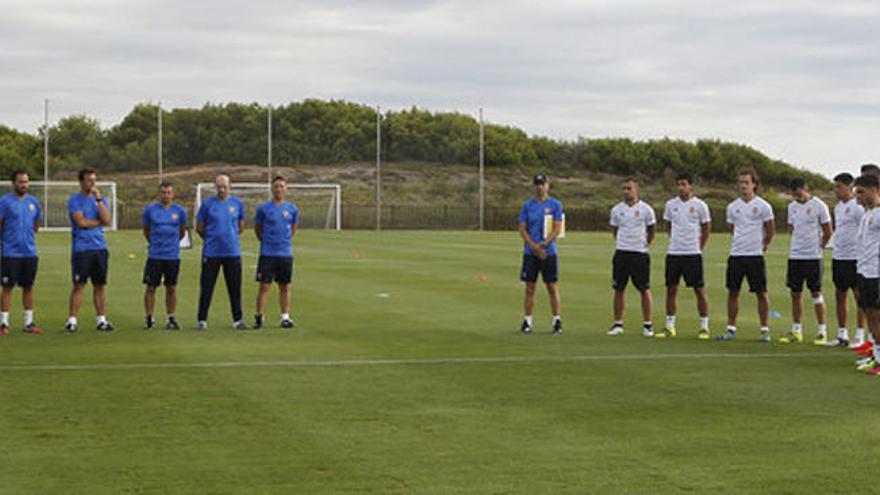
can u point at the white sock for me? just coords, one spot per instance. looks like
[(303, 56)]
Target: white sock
[(731, 328), (796, 327), (670, 321), (648, 324), (871, 338), (876, 351), (823, 329), (28, 317), (101, 319), (860, 334), (618, 323), (704, 323), (843, 333), (528, 319), (286, 316), (72, 320), (4, 318), (765, 329), (555, 318)]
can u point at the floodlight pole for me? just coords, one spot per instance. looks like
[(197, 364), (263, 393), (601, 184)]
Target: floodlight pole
[(482, 179), (269, 148), (159, 141), (46, 163), (378, 169)]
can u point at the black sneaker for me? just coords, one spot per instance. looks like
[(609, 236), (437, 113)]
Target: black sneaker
[(258, 321), (557, 327), (70, 327), (105, 326), (287, 323), (172, 324), (525, 328), (150, 323)]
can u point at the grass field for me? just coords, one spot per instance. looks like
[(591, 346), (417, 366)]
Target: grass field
[(407, 374)]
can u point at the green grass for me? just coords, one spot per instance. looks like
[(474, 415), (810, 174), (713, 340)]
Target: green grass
[(580, 413)]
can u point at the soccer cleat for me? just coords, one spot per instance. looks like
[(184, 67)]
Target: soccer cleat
[(727, 335), (865, 351), (105, 326), (855, 344), (792, 338), (240, 325), (202, 325), (149, 323), (525, 328), (172, 324), (32, 328), (821, 339), (865, 347), (703, 334), (615, 330), (765, 338), (287, 323), (70, 327), (838, 342), (258, 321), (874, 372), (557, 327), (665, 332), (862, 361), (867, 365), (647, 331), (4, 329)]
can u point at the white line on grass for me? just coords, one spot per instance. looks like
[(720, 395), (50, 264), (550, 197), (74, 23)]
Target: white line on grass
[(399, 362)]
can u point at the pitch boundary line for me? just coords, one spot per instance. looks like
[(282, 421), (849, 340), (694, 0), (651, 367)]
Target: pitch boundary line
[(407, 362)]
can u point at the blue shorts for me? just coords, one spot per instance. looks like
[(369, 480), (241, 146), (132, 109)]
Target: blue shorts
[(548, 267), (274, 269), (90, 265), (18, 271)]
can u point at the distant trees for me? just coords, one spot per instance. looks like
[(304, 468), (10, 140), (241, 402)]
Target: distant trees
[(332, 132)]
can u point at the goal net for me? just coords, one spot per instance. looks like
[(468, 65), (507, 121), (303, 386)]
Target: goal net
[(320, 205), (53, 197)]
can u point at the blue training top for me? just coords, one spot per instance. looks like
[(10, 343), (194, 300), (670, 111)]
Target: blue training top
[(277, 221), (532, 214), (221, 226), (164, 226), (86, 239), (19, 217)]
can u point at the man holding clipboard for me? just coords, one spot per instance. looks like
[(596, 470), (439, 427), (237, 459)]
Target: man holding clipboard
[(541, 222)]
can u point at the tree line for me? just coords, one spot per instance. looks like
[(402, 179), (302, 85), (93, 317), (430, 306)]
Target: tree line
[(332, 132)]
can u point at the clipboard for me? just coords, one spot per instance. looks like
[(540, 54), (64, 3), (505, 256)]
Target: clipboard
[(548, 226)]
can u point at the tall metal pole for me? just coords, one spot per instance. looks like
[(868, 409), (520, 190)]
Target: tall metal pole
[(482, 179), (46, 163), (378, 169), (159, 143), (269, 148)]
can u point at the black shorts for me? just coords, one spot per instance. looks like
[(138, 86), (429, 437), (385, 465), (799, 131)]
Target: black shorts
[(90, 265), (18, 271), (869, 292), (629, 265), (531, 265), (844, 274), (751, 267), (155, 271), (688, 266), (274, 269), (800, 271)]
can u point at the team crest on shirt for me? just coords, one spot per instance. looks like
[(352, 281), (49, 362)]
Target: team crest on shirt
[(32, 207), (692, 210), (755, 211), (546, 211), (231, 209), (174, 216), (285, 213), (809, 211)]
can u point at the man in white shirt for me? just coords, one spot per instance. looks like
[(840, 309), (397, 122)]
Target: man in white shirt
[(810, 224), (868, 264), (751, 223), (689, 224), (632, 226), (847, 217)]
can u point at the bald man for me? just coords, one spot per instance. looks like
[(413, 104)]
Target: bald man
[(219, 222)]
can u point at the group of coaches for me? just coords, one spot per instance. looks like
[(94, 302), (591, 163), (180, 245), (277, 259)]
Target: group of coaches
[(219, 222), (750, 219)]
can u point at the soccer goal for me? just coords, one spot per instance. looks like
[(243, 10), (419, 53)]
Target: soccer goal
[(53, 197), (320, 205)]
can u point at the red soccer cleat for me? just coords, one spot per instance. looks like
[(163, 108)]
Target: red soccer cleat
[(4, 329), (863, 347)]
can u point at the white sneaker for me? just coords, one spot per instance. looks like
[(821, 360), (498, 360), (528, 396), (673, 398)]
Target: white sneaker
[(856, 343), (647, 332), (615, 330), (838, 342)]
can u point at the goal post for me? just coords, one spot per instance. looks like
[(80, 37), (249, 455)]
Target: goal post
[(54, 195), (320, 205)]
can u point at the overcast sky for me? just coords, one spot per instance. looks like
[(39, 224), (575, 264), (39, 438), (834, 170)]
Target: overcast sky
[(795, 79)]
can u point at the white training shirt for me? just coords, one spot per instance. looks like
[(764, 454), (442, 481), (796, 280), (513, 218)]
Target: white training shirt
[(845, 241), (868, 264), (632, 223), (686, 219), (806, 220), (748, 225)]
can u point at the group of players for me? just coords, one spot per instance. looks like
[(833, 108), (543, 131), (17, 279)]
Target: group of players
[(853, 234), (220, 221)]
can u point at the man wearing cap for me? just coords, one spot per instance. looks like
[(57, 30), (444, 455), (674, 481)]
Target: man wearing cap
[(539, 250)]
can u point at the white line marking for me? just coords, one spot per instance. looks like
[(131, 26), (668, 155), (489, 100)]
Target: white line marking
[(400, 362)]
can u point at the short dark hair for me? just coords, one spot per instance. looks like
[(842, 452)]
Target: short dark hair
[(844, 178), (630, 179), (685, 176), (277, 178), (751, 173), (14, 176), (797, 183), (165, 184), (868, 180), (870, 169), (84, 172)]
